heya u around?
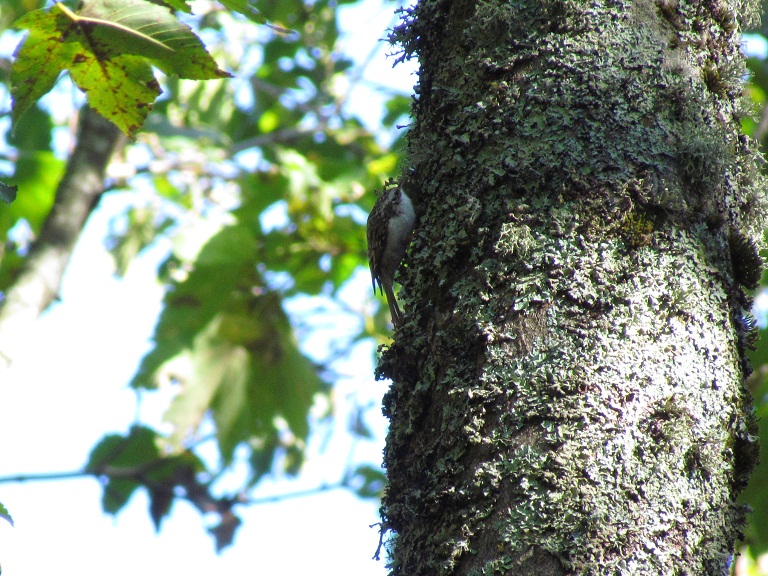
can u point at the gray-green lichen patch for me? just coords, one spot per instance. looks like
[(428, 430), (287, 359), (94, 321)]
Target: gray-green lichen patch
[(636, 426)]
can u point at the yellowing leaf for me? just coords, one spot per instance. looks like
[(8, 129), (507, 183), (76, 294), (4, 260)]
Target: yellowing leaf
[(38, 60), (268, 121), (385, 164), (108, 46), (121, 89)]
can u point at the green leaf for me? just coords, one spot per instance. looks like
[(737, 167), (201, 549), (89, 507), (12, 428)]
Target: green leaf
[(38, 60), (32, 131), (367, 481), (7, 192), (160, 502), (259, 191), (344, 265), (227, 256), (129, 452), (397, 107), (117, 493), (36, 175), (5, 514), (231, 348), (126, 463), (140, 27), (245, 8), (224, 532), (177, 5), (107, 46), (12, 10), (246, 370), (121, 89), (139, 447)]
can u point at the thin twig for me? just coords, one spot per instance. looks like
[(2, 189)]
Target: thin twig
[(291, 495), (129, 472), (44, 476)]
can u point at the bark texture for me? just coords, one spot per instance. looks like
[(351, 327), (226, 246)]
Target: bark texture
[(567, 389), (77, 195)]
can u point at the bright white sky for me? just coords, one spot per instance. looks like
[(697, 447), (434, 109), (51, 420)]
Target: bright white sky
[(55, 408)]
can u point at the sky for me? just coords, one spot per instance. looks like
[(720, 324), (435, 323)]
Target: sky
[(55, 408)]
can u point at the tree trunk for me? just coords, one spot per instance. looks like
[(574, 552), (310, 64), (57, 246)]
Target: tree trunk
[(567, 391)]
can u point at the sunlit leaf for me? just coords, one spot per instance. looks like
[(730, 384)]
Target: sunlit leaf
[(38, 60), (5, 514), (178, 5), (245, 7), (121, 89), (107, 45), (108, 28), (230, 346), (12, 10), (37, 175)]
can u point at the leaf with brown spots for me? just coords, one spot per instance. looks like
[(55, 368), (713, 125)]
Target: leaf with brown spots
[(108, 46), (121, 88), (38, 60)]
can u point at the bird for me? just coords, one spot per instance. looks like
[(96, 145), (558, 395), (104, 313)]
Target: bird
[(389, 229)]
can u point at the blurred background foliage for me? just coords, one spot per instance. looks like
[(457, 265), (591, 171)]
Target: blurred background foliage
[(259, 186), (754, 558)]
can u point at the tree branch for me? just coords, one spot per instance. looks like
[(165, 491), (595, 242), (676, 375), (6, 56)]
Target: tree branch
[(19, 478), (78, 193)]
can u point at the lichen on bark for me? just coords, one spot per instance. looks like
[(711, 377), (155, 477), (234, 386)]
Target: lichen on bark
[(568, 387)]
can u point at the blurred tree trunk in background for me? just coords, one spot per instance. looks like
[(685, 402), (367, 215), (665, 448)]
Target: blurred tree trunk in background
[(568, 384)]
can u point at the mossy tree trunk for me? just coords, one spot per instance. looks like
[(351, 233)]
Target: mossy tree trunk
[(567, 391)]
